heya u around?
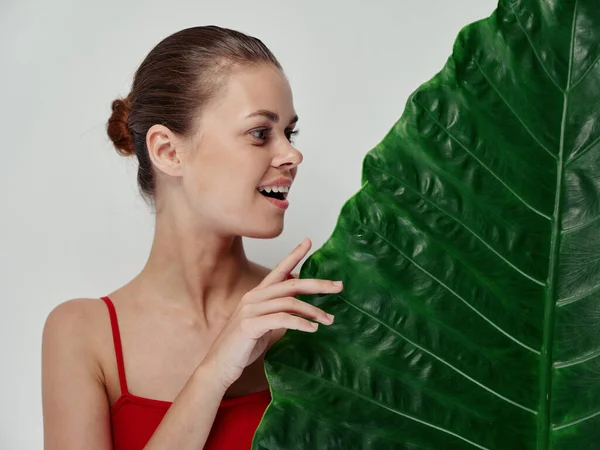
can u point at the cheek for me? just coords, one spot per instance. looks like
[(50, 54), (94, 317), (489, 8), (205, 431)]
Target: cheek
[(210, 169), (224, 186), (227, 174)]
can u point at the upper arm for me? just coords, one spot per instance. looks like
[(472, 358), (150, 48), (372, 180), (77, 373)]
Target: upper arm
[(75, 405)]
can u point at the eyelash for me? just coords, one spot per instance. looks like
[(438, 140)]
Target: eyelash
[(289, 134)]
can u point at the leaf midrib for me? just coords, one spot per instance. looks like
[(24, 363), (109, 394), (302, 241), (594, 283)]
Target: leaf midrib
[(546, 360)]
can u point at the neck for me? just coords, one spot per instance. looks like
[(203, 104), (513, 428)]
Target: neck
[(191, 268)]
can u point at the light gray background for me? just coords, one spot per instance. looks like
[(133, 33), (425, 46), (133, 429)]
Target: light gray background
[(72, 223)]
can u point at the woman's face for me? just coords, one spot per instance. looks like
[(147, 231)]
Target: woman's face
[(243, 162)]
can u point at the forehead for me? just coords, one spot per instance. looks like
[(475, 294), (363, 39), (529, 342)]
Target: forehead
[(261, 87)]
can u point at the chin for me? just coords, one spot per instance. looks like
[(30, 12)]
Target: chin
[(265, 232)]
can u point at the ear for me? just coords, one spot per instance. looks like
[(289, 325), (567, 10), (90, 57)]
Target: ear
[(162, 147)]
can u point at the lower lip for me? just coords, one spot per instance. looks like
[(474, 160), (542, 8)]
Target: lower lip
[(282, 204)]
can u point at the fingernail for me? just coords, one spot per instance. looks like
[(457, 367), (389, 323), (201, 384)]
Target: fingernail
[(338, 283), (315, 325), (330, 317)]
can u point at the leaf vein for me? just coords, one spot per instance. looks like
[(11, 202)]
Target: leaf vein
[(535, 52), (454, 293), (582, 152), (484, 166), (511, 109), (575, 422), (581, 295), (579, 360), (575, 228), (587, 71), (461, 223), (433, 355), (375, 402)]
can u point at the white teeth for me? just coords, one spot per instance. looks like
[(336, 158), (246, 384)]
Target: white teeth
[(269, 189)]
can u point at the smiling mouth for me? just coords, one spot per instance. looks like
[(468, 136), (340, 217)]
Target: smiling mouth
[(276, 192)]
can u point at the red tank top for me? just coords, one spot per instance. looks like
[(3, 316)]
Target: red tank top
[(134, 419)]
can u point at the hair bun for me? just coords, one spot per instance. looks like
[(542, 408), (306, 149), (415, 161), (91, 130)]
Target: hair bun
[(118, 127)]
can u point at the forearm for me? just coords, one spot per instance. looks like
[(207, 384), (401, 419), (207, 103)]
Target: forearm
[(189, 420)]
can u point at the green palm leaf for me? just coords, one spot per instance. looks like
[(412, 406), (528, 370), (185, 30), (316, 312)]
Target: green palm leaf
[(470, 317)]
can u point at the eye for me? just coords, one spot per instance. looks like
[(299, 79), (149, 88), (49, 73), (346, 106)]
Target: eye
[(291, 135), (262, 134)]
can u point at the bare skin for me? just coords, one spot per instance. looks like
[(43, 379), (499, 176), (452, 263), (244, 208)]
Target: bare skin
[(196, 321)]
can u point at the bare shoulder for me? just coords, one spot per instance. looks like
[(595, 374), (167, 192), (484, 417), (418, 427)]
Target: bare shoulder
[(73, 314), (74, 400), (74, 322)]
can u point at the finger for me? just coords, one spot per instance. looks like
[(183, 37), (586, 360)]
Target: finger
[(289, 305), (293, 287), (258, 326), (283, 269)]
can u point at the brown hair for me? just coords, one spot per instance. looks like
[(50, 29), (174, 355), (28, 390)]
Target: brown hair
[(172, 85)]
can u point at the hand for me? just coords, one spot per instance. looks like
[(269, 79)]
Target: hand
[(269, 306)]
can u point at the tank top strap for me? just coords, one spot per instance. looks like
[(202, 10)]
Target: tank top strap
[(114, 323)]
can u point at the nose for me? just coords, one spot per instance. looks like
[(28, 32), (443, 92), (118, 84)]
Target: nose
[(287, 155)]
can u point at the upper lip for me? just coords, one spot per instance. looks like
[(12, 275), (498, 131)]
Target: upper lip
[(282, 181)]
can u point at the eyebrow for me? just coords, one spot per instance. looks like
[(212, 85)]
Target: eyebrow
[(272, 116)]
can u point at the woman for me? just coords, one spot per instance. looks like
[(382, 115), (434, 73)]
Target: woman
[(174, 359)]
